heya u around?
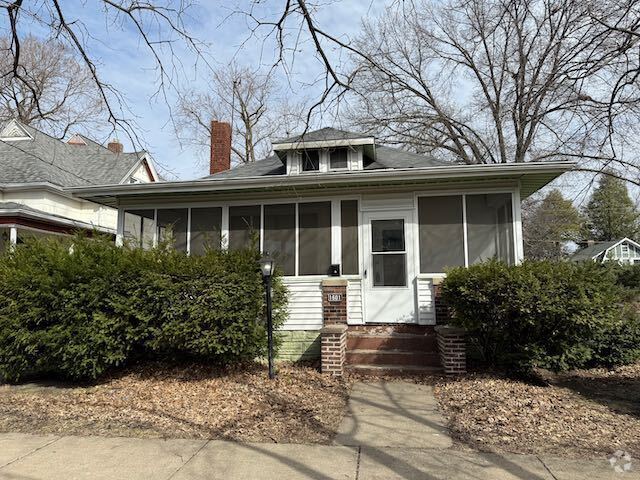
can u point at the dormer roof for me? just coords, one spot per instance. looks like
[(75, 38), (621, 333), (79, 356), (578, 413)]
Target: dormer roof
[(323, 138)]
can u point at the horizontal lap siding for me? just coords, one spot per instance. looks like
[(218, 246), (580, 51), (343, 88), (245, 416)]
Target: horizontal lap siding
[(426, 305), (305, 305), (354, 302)]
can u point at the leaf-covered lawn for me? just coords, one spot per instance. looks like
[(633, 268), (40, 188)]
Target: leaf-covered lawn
[(301, 405), (582, 413)]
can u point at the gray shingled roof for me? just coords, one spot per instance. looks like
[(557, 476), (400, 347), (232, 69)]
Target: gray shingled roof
[(591, 251), (16, 206), (47, 159), (322, 135), (386, 157)]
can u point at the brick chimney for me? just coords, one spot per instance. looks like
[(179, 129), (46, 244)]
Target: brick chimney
[(220, 147), (115, 146)]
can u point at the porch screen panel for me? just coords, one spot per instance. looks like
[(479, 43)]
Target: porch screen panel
[(314, 236), (280, 235), (441, 233), (490, 228), (349, 226), (244, 224), (172, 227), (139, 226), (206, 228)]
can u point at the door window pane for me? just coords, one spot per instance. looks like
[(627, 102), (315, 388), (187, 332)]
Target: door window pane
[(280, 235), (490, 227), (139, 226), (389, 270), (441, 234), (244, 223), (349, 225), (310, 160), (387, 235), (338, 158), (206, 228), (172, 227), (314, 235)]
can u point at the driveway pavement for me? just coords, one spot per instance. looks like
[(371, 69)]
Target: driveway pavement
[(392, 431)]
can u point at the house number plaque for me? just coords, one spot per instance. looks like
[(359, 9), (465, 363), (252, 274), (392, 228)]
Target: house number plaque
[(335, 297)]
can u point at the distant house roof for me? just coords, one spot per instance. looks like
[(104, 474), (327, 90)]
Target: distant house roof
[(597, 249), (38, 158)]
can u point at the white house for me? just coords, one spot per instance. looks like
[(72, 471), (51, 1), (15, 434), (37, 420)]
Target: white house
[(624, 251), (338, 205), (35, 169)]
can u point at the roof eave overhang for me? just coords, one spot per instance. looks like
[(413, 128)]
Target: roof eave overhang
[(53, 219), (531, 177)]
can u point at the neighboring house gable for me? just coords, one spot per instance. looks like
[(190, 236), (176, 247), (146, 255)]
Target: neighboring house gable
[(624, 251), (35, 168)]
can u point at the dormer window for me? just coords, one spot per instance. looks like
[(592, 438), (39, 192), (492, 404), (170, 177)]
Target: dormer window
[(310, 160), (338, 158)]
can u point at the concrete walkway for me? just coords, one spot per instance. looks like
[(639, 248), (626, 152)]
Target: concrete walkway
[(392, 431)]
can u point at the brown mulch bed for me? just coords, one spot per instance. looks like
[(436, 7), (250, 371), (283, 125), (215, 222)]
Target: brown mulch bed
[(300, 406), (582, 413)]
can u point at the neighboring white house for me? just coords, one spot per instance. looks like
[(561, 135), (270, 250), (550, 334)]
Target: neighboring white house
[(387, 221), (35, 169), (624, 251)]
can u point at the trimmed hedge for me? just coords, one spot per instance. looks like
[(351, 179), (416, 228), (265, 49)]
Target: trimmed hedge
[(555, 315), (77, 307)]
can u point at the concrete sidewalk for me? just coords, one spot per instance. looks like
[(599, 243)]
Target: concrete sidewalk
[(26, 457), (391, 431)]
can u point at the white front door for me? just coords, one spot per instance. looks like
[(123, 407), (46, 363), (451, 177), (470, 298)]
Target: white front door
[(389, 277)]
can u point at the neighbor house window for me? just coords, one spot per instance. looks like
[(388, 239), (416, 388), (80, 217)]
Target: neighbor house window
[(310, 160), (244, 224), (441, 233), (206, 228), (280, 235), (349, 236), (314, 235), (490, 227), (139, 227), (338, 158), (172, 227)]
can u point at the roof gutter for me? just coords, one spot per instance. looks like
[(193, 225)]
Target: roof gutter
[(331, 178)]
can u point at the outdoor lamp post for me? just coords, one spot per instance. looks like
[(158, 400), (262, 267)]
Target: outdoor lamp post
[(266, 266)]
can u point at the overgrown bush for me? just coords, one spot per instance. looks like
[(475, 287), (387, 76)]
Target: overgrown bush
[(555, 315), (77, 307)]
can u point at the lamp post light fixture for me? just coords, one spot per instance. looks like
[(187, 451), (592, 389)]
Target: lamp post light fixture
[(266, 266)]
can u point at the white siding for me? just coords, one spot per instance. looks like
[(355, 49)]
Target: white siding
[(426, 307), (305, 304), (354, 303)]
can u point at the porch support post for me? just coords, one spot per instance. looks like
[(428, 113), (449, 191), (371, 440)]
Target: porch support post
[(334, 333), (453, 349), (13, 237)]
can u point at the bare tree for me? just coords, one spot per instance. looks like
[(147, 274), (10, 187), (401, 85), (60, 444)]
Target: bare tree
[(485, 81), (249, 100), (61, 94), (498, 81), (159, 25)]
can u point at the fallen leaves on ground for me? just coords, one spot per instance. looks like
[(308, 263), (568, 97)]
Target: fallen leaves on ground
[(582, 413), (299, 406)]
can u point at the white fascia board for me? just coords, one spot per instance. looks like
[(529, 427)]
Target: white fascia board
[(46, 186), (301, 145), (328, 178), (39, 215)]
